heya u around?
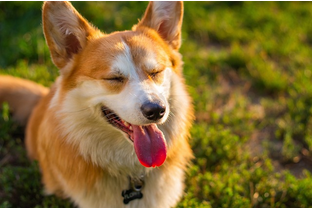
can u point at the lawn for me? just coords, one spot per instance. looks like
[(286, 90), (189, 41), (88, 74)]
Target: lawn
[(249, 71)]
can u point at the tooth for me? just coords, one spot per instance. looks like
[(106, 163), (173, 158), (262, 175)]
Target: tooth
[(126, 124), (130, 128)]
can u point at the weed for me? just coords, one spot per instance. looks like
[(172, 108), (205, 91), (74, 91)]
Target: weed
[(248, 65)]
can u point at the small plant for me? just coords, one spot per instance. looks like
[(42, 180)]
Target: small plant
[(249, 70)]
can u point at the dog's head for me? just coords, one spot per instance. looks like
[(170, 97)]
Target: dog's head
[(125, 77)]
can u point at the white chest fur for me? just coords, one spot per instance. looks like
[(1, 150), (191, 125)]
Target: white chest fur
[(160, 190)]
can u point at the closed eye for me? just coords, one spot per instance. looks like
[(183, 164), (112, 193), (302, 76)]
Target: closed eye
[(115, 79), (155, 74)]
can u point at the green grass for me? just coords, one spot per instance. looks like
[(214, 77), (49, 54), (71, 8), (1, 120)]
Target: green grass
[(249, 68)]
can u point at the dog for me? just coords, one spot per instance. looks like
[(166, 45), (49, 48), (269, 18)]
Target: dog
[(113, 129)]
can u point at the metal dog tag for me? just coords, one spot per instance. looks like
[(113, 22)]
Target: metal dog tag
[(130, 195), (134, 192)]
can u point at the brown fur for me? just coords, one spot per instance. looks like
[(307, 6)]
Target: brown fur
[(85, 57), (21, 95)]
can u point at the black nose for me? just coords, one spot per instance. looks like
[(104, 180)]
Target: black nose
[(153, 111)]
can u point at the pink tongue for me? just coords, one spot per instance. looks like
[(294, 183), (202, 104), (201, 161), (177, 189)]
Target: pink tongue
[(149, 145)]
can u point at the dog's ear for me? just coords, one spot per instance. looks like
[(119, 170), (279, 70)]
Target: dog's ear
[(166, 18), (65, 30)]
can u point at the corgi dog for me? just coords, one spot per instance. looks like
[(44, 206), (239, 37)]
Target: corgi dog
[(113, 129)]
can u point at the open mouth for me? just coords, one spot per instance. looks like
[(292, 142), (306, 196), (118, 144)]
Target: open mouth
[(149, 142), (116, 121)]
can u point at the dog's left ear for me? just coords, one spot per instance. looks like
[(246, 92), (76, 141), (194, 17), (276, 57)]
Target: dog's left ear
[(166, 18)]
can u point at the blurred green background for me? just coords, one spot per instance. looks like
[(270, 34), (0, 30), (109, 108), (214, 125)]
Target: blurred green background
[(249, 70)]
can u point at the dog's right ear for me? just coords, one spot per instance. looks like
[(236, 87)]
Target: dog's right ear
[(65, 30)]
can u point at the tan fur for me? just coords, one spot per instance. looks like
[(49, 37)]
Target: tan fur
[(81, 156), (21, 95)]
